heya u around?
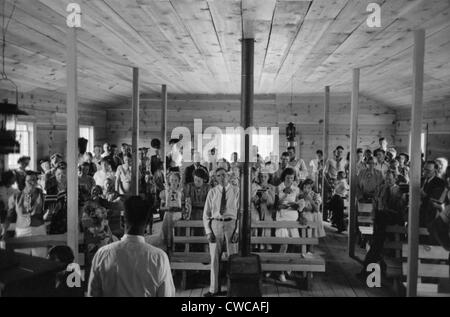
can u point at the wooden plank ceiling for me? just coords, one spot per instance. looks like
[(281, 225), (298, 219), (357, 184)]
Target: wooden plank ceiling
[(193, 46)]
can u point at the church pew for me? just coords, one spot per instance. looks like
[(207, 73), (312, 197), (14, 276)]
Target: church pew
[(365, 223), (302, 261), (188, 260), (433, 271), (43, 241)]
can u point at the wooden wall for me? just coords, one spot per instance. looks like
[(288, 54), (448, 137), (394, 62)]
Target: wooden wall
[(374, 121), (436, 120), (306, 111), (48, 111)]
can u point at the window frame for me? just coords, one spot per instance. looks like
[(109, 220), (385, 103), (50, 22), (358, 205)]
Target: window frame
[(32, 146), (91, 132)]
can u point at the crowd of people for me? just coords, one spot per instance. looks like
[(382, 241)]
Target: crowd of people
[(208, 190)]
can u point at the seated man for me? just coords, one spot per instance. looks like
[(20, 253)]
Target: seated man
[(390, 207), (433, 193), (369, 182), (131, 267)]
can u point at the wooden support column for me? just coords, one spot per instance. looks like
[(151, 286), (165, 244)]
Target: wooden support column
[(247, 90), (72, 142), (135, 134), (164, 126), (415, 167), (353, 217), (326, 129)]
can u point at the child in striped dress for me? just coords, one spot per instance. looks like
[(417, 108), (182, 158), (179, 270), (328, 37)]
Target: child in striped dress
[(172, 202)]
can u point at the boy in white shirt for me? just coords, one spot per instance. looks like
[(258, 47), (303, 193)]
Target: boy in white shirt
[(337, 201)]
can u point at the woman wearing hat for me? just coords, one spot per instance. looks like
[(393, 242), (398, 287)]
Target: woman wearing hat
[(28, 205), (21, 172), (263, 201)]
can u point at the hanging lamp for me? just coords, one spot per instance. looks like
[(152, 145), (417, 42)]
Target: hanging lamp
[(8, 110)]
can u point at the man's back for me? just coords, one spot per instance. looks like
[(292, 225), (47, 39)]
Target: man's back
[(131, 268)]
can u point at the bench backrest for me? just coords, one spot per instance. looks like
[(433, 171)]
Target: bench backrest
[(365, 212), (432, 261), (38, 241), (43, 241), (307, 234), (187, 238)]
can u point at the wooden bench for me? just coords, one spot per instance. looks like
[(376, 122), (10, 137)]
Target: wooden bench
[(432, 263), (392, 250), (187, 260), (365, 223), (43, 241), (296, 262), (433, 271)]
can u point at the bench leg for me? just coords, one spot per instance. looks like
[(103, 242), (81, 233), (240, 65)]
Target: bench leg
[(183, 280), (309, 277), (305, 281), (398, 287)]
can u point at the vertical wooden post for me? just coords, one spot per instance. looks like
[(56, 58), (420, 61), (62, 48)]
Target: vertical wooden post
[(415, 167), (247, 90), (164, 126), (135, 134), (326, 128), (353, 217), (72, 142)]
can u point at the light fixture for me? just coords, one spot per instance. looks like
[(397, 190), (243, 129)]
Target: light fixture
[(8, 111), (290, 132)]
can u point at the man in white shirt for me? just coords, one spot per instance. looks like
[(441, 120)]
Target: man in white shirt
[(131, 267), (220, 221), (333, 166), (276, 177), (298, 165), (381, 164)]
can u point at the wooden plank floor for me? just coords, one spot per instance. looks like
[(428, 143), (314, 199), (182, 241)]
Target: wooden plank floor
[(339, 280)]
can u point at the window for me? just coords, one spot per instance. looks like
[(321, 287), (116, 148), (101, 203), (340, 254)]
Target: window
[(87, 132), (264, 142), (25, 136), (423, 144), (231, 142)]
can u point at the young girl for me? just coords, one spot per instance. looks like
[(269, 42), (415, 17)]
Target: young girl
[(85, 184), (288, 208), (171, 202), (109, 194), (263, 200), (311, 212)]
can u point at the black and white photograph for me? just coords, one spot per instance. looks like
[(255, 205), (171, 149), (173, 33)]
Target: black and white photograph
[(226, 154)]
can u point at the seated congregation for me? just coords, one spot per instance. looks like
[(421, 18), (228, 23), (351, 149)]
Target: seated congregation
[(199, 206)]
